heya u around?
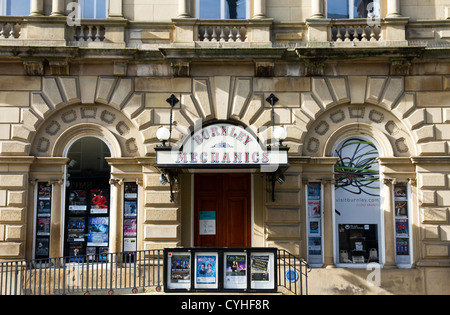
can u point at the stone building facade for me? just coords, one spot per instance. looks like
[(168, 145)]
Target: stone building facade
[(95, 92)]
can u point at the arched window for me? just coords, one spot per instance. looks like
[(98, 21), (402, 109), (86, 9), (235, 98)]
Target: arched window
[(353, 9), (358, 215)]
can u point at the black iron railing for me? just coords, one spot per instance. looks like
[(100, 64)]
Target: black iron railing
[(82, 274), (292, 273), (112, 272)]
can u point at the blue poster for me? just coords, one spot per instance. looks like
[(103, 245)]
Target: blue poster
[(206, 269)]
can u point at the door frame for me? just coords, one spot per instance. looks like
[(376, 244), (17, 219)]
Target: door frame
[(252, 204)]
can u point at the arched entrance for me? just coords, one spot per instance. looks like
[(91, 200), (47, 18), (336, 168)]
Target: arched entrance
[(87, 202)]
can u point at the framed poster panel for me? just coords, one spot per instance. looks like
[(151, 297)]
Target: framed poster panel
[(206, 270), (235, 270), (178, 270), (43, 220), (262, 270)]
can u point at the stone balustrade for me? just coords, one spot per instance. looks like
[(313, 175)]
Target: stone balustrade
[(355, 30)]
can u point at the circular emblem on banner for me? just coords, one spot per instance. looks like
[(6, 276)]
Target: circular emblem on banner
[(291, 275)]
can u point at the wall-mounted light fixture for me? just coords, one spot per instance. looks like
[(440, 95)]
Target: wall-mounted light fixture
[(164, 135), (279, 134)]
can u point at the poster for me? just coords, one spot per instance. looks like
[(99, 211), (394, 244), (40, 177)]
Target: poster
[(44, 208), (262, 270), (129, 227), (43, 227), (235, 271), (98, 230), (99, 202), (130, 208), (75, 229), (44, 191), (207, 224), (129, 244), (42, 247), (206, 270), (77, 200), (130, 191), (315, 246)]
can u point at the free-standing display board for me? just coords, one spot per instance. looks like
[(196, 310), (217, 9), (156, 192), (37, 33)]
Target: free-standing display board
[(220, 269)]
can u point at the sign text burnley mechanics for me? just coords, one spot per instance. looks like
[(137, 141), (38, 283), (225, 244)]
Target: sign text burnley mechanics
[(221, 145)]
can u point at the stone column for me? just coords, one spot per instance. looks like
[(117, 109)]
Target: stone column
[(259, 9), (58, 8), (37, 7), (317, 11), (393, 8), (115, 9), (388, 223), (184, 9)]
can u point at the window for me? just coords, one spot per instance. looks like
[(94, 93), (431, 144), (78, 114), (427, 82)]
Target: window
[(358, 215), (15, 7), (353, 9), (223, 9), (94, 9)]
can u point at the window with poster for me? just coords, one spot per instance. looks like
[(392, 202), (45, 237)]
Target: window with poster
[(314, 223), (43, 215), (402, 225), (130, 206), (358, 215)]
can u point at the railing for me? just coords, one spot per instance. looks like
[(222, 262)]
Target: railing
[(355, 30), (292, 273), (10, 27), (112, 272), (222, 33), (82, 274)]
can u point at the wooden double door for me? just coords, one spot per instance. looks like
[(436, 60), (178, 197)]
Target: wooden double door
[(222, 212)]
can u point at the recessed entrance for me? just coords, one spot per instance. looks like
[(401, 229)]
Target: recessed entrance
[(222, 210), (87, 205)]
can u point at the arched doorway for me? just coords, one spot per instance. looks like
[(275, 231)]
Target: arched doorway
[(87, 202)]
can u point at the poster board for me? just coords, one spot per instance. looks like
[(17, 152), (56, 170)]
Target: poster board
[(220, 270)]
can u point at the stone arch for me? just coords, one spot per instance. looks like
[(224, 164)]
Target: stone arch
[(61, 93), (77, 121), (368, 119)]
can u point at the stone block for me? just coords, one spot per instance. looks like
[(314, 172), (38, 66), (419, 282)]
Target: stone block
[(321, 92), (105, 89), (443, 131), (201, 95), (427, 197), (14, 232), (310, 106), (20, 83), (10, 115), (430, 99), (339, 89), (375, 86), (430, 232), (416, 119), (433, 148), (157, 197), (14, 148), (432, 180), (12, 181), (134, 105), (434, 215), (161, 231), (357, 87), (39, 105), (443, 198), (69, 86), (13, 99), (161, 214), (436, 251), (88, 86), (145, 119), (423, 83), (16, 198), (445, 233), (10, 249), (392, 92), (405, 105), (51, 91), (11, 214), (121, 93), (425, 133)]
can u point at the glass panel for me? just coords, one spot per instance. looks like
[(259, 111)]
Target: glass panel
[(337, 9), (209, 9), (236, 9), (101, 9), (87, 9), (18, 7), (365, 9), (358, 202)]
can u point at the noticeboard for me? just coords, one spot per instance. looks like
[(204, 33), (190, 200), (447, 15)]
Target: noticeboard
[(220, 270)]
